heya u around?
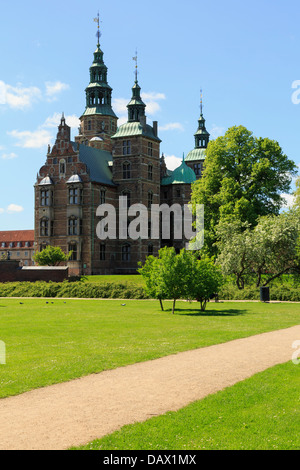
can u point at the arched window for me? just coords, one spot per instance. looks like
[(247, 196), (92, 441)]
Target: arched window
[(126, 170)]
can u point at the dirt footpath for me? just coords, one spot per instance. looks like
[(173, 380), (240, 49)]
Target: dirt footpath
[(76, 412)]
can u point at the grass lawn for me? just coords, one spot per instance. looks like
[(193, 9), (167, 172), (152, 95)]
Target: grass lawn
[(260, 413), (59, 341)]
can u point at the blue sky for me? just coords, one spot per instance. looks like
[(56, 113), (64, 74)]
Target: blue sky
[(244, 55)]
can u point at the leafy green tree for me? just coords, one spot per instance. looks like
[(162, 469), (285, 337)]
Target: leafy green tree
[(243, 178), (204, 281), (51, 256), (235, 247), (180, 276), (269, 250)]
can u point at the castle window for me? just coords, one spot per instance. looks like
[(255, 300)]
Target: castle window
[(75, 196), (126, 147), (150, 199), (89, 125), (178, 192), (102, 252), (74, 226), (102, 196), (150, 172), (44, 227), (126, 170), (73, 250), (45, 197), (197, 169), (150, 149), (126, 249)]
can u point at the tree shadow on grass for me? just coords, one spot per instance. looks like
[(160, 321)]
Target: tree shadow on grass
[(228, 312)]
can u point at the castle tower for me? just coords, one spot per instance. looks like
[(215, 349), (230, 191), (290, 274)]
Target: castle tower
[(136, 169), (98, 122), (196, 157)]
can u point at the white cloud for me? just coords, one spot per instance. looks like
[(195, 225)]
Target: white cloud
[(172, 126), (12, 208), (151, 100), (34, 139), (217, 131), (9, 156), (120, 105), (54, 88), (19, 97), (172, 161)]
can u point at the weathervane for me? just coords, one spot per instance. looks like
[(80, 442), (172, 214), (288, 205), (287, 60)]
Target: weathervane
[(98, 34), (136, 65), (201, 104)]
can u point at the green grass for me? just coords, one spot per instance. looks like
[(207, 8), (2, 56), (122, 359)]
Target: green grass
[(52, 343), (260, 413)]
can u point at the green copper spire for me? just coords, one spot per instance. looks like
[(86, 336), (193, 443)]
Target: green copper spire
[(201, 135), (98, 92), (136, 107)]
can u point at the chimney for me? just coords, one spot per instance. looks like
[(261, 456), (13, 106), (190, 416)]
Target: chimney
[(155, 128)]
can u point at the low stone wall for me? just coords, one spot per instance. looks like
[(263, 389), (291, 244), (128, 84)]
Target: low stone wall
[(11, 271)]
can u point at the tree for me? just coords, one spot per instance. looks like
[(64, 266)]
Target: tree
[(235, 247), (181, 276), (268, 250), (166, 275), (243, 178), (205, 280), (51, 256)]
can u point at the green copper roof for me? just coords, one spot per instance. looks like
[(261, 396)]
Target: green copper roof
[(131, 129), (104, 110), (181, 175), (196, 154), (97, 162)]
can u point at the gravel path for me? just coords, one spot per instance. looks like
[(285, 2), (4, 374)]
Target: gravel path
[(76, 412)]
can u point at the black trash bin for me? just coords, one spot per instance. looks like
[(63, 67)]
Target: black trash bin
[(265, 294)]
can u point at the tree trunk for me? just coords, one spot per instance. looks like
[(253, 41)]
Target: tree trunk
[(203, 305), (161, 304), (174, 301)]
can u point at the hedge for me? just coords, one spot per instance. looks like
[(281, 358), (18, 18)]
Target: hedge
[(72, 289), (113, 290)]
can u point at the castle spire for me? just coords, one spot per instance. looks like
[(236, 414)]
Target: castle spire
[(136, 107), (201, 135), (98, 92)]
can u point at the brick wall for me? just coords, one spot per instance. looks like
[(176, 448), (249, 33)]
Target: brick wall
[(10, 271)]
